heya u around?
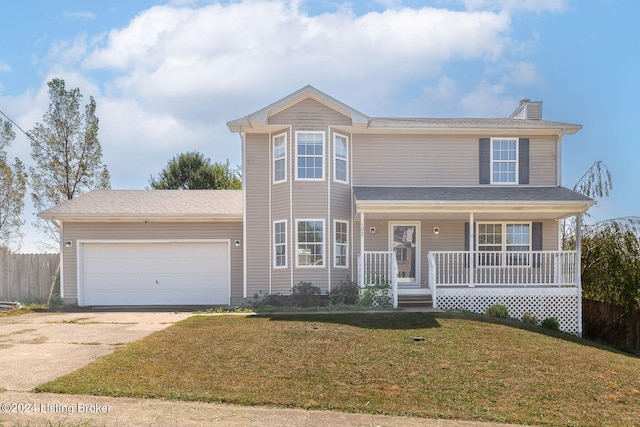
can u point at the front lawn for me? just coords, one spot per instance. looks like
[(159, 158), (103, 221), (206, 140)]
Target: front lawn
[(427, 365)]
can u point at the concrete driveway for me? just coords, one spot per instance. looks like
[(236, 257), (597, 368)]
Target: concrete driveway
[(39, 347)]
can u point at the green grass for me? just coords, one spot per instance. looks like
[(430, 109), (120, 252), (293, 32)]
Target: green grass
[(465, 368)]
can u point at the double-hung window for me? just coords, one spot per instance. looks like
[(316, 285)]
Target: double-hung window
[(341, 242), (280, 244), (310, 155), (496, 239), (280, 157), (310, 243), (504, 160), (340, 158)]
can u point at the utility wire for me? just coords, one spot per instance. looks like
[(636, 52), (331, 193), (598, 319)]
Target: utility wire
[(16, 125)]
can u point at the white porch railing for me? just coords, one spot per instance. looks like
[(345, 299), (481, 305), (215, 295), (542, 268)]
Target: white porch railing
[(502, 269), (378, 267)]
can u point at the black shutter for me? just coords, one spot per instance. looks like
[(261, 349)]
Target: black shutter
[(467, 240), (536, 236), (466, 236), (523, 160), (485, 160), (536, 241)]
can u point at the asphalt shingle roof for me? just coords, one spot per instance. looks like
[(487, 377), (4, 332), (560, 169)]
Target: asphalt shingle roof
[(477, 194), (151, 203)]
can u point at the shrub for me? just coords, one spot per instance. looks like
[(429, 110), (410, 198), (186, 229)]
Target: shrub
[(551, 323), (499, 311), (306, 295), (347, 293), (530, 318)]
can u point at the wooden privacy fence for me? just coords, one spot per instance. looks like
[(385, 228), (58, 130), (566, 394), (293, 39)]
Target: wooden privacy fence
[(27, 277), (611, 324)]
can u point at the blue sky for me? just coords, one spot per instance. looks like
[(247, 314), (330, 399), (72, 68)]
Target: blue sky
[(168, 75)]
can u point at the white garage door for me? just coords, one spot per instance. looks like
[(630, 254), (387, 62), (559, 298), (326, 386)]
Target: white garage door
[(172, 273)]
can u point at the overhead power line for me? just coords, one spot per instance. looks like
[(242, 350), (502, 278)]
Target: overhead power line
[(15, 124)]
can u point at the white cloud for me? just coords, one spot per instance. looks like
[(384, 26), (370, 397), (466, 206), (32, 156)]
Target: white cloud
[(78, 15), (486, 100), (514, 5), (180, 58), (168, 81)]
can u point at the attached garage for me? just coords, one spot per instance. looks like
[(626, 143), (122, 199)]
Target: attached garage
[(154, 273), (151, 248)]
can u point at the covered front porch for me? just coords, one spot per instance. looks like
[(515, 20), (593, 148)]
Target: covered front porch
[(470, 254)]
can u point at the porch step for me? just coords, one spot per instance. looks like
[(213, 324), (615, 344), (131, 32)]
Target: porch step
[(415, 301)]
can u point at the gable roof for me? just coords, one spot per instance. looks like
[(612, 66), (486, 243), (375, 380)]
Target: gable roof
[(258, 122), (184, 205)]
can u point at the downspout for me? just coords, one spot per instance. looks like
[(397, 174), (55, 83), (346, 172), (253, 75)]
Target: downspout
[(351, 230), (61, 261), (292, 224), (271, 228), (361, 263), (330, 235), (244, 213)]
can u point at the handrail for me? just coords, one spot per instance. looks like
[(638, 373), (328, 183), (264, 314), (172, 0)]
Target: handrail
[(502, 268)]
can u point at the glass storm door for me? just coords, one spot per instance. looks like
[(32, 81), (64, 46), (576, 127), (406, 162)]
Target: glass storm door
[(405, 241)]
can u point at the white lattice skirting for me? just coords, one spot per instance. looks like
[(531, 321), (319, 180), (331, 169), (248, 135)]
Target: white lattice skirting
[(561, 303)]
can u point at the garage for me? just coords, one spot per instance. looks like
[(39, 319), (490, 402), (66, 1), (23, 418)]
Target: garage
[(153, 273)]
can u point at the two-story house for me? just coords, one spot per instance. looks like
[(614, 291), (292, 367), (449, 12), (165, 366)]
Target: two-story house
[(459, 212)]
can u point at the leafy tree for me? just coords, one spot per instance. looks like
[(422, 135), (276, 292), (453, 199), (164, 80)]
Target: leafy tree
[(13, 186), (67, 154), (610, 249), (192, 171), (611, 262)]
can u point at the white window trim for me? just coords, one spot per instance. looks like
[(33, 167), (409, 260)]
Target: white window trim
[(324, 149), (275, 245), (503, 225), (273, 158), (324, 243), (336, 244), (336, 158), (517, 161)]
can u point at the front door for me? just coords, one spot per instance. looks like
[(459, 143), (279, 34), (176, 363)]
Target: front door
[(405, 242)]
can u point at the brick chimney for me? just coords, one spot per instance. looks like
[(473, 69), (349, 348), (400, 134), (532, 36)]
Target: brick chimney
[(528, 110)]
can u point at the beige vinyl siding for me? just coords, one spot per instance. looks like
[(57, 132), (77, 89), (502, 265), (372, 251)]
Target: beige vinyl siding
[(75, 231), (308, 114), (418, 160), (542, 161), (414, 160), (281, 279), (280, 202), (258, 224)]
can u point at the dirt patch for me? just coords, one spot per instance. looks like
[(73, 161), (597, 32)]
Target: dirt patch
[(35, 340)]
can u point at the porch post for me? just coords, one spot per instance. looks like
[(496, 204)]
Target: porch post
[(578, 274), (472, 251), (361, 263)]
